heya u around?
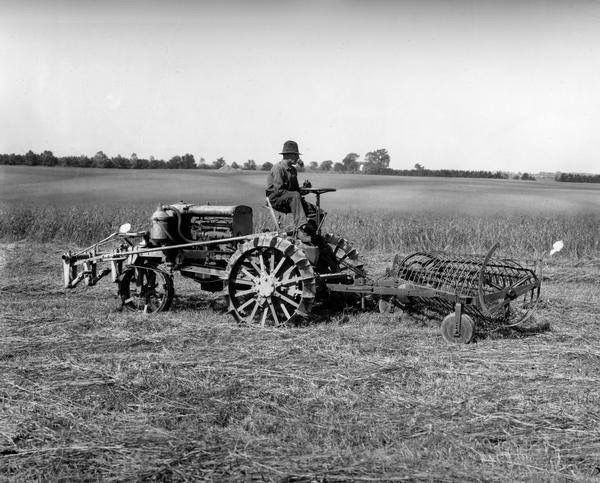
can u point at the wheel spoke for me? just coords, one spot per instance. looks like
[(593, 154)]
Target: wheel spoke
[(254, 310), (246, 303), (272, 307), (241, 293), (285, 311), (286, 299), (278, 267), (264, 316), (254, 266), (243, 281), (246, 272)]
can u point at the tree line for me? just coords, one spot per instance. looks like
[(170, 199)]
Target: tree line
[(577, 177), (375, 162), (101, 160)]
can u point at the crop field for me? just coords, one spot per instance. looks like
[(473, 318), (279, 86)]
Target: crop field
[(81, 205), (88, 392)]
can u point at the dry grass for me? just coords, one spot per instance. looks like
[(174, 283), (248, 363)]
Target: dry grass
[(90, 393), (523, 235), (391, 213)]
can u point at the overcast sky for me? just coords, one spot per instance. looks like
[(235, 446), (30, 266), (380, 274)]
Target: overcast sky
[(511, 85)]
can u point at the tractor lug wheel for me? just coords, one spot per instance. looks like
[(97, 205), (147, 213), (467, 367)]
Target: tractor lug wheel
[(270, 282), (345, 257)]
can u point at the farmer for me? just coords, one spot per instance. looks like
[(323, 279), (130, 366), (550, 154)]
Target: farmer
[(283, 192)]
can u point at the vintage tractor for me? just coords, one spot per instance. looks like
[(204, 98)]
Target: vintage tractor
[(272, 278)]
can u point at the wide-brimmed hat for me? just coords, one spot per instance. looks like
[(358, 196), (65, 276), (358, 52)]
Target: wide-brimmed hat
[(290, 147)]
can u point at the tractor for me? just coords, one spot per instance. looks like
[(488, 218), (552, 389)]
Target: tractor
[(273, 278)]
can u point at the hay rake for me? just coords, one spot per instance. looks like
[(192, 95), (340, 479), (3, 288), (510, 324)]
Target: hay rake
[(272, 278)]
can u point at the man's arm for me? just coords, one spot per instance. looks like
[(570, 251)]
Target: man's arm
[(279, 179)]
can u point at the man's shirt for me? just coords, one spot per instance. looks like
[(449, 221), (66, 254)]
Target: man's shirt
[(282, 177)]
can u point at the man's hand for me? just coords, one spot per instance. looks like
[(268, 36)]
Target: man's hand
[(307, 184)]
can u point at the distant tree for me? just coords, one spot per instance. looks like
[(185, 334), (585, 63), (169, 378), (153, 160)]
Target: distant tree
[(351, 163), (121, 162), (219, 163), (188, 161), (419, 167), (326, 165), (249, 165), (234, 165), (376, 162), (48, 159), (174, 162), (101, 160), (313, 166), (202, 164), (157, 163), (527, 177), (338, 167), (266, 166), (31, 159)]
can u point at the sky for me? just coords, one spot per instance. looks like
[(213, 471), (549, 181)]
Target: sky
[(495, 85)]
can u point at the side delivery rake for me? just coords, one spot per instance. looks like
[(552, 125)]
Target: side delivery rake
[(464, 289)]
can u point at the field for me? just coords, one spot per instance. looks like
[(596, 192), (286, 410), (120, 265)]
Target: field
[(383, 213), (91, 393)]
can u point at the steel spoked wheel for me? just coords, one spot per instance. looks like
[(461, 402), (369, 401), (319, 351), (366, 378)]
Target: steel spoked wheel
[(270, 282), (345, 255), (146, 289)]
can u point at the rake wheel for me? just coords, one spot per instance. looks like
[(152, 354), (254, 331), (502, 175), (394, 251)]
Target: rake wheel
[(270, 282), (146, 289), (461, 333), (520, 288)]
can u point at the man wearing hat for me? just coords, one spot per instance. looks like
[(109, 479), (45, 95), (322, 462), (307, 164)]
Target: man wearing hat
[(283, 192)]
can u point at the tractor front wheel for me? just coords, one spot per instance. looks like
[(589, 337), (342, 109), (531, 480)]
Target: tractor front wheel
[(146, 289)]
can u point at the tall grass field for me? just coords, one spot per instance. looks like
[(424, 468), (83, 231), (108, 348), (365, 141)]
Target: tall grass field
[(387, 213), (91, 393)]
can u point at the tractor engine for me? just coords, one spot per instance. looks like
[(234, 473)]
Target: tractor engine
[(182, 223), (186, 223)]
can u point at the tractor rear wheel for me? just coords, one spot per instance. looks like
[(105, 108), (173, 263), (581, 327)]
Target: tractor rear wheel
[(146, 289), (270, 282), (345, 255)]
